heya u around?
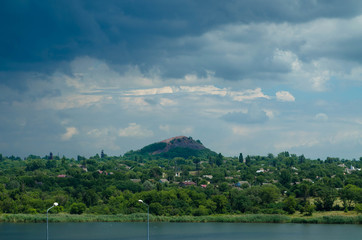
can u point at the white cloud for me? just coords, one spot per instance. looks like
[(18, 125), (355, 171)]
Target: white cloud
[(70, 132), (270, 113), (321, 117), (242, 131), (287, 59), (347, 136), (165, 128), (71, 101), (284, 96), (204, 90), (187, 130), (98, 132), (248, 95), (294, 139), (105, 138), (167, 102), (151, 91), (135, 130)]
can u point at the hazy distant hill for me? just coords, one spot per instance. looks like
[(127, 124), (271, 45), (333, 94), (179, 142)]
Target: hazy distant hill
[(180, 146)]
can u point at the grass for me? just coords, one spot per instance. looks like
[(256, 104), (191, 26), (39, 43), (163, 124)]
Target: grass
[(317, 218)]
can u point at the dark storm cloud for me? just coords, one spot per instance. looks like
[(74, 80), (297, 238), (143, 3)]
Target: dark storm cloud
[(43, 35)]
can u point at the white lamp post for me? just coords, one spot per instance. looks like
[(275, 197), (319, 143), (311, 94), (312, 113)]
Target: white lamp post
[(54, 205), (148, 218)]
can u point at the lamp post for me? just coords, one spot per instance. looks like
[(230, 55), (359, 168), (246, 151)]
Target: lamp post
[(148, 218), (54, 205)]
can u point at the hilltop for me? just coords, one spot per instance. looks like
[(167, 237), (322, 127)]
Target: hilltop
[(180, 146)]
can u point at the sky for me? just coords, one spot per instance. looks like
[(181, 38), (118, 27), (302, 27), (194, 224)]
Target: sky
[(248, 76)]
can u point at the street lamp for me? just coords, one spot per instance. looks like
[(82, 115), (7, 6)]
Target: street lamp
[(54, 205), (148, 218)]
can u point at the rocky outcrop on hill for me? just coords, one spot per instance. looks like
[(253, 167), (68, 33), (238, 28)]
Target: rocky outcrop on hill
[(179, 146)]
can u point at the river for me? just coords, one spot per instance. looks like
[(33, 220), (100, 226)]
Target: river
[(174, 231)]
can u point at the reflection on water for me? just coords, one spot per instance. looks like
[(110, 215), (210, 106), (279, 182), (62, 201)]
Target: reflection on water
[(185, 231)]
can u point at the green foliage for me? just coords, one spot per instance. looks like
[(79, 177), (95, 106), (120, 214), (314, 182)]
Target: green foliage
[(77, 208), (289, 204), (350, 194), (358, 208), (153, 147), (113, 185)]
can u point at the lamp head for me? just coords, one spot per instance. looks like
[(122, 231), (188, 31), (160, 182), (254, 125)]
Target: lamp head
[(55, 204), (141, 201)]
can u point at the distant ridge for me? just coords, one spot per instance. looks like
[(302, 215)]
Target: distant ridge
[(180, 146)]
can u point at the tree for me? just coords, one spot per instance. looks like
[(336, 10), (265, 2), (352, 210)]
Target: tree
[(224, 187), (240, 201), (301, 159), (219, 160), (35, 164), (156, 208), (221, 203), (285, 178), (350, 194), (90, 197), (241, 158), (289, 204), (326, 197), (308, 209), (147, 186), (269, 193), (248, 160)]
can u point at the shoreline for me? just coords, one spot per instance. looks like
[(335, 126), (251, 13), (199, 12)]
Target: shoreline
[(142, 217)]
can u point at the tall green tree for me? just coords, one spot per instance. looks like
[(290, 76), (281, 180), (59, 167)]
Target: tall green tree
[(241, 158)]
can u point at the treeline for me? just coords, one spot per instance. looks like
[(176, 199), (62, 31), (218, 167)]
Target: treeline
[(179, 186)]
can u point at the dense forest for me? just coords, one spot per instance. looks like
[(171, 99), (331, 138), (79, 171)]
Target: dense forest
[(177, 186)]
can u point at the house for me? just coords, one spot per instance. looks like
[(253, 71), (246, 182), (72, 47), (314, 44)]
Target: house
[(241, 183), (136, 180), (187, 183), (163, 180), (207, 176), (307, 180), (351, 169), (193, 173), (62, 176)]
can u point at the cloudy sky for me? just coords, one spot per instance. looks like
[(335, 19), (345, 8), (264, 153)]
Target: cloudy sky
[(249, 76)]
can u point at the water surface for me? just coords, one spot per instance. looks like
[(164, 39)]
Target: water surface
[(185, 231)]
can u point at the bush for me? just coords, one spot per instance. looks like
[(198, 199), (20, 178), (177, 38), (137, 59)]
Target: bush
[(77, 208), (200, 211), (31, 211), (358, 208), (308, 209)]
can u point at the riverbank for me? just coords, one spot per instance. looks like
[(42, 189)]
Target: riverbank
[(320, 218)]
